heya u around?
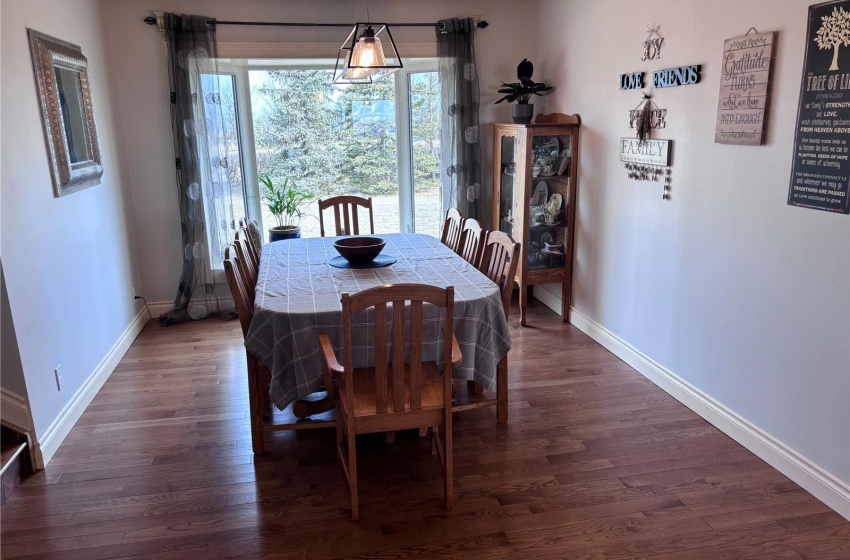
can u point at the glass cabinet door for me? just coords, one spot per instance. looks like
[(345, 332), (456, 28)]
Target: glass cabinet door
[(507, 179), (549, 201)]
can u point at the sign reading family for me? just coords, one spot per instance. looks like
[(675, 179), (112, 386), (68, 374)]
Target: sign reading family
[(744, 88), (649, 152), (820, 176)]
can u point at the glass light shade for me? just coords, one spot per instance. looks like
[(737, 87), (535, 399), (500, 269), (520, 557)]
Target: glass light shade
[(358, 73), (368, 53), (361, 58)]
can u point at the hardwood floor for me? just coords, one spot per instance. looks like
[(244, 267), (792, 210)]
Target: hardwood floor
[(595, 463)]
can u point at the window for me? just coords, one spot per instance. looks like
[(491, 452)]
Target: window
[(221, 144), (380, 140)]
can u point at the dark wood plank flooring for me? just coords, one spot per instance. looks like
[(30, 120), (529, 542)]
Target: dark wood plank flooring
[(595, 463)]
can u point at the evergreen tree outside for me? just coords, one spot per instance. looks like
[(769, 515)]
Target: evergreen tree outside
[(341, 139)]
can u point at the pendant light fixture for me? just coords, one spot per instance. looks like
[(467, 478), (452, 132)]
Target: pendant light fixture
[(361, 58)]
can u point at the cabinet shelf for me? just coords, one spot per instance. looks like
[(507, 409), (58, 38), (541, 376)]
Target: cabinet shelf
[(513, 149)]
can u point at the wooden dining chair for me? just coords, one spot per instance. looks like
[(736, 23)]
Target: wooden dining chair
[(345, 214), (393, 395), (499, 263), (472, 238), (259, 376), (451, 229)]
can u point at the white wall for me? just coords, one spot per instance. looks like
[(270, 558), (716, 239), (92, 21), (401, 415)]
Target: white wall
[(743, 296), (143, 88), (10, 357), (67, 261)]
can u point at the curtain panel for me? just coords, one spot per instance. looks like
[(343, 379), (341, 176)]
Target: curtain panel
[(461, 148), (205, 199)]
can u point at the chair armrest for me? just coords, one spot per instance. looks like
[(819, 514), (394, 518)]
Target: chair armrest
[(329, 355), (457, 356)]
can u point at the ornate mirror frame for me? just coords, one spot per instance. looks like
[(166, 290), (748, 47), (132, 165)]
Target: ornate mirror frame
[(49, 56)]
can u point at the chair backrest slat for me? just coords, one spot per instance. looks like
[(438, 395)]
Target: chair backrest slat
[(346, 219), (381, 358), (499, 263), (415, 355), (355, 222), (398, 355)]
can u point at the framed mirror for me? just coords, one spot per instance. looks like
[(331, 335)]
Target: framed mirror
[(61, 73)]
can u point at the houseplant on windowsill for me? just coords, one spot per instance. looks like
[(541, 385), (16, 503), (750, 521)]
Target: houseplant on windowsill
[(286, 205), (521, 92)]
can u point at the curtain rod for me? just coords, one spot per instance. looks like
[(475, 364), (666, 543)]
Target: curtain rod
[(151, 20)]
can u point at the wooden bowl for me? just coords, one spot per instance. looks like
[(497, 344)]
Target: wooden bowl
[(359, 250)]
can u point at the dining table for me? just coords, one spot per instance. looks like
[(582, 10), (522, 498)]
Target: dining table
[(298, 297)]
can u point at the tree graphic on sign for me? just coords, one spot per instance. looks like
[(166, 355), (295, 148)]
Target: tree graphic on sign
[(834, 33)]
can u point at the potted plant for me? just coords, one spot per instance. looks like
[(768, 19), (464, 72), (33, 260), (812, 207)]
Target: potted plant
[(286, 205), (521, 92)]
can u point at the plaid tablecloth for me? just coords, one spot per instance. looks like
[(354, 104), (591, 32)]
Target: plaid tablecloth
[(298, 298)]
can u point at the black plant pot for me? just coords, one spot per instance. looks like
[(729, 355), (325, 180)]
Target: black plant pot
[(522, 113)]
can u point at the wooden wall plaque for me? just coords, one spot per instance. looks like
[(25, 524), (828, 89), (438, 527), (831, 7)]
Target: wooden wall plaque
[(744, 89)]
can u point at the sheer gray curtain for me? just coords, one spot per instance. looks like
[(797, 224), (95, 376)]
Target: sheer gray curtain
[(204, 194), (461, 149)]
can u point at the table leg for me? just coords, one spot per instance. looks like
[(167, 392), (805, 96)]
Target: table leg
[(523, 303), (565, 304), (502, 390)]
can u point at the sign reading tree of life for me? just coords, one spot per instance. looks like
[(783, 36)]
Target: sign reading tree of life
[(744, 88), (820, 176)]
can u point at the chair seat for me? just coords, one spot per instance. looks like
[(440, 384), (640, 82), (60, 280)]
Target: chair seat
[(364, 389)]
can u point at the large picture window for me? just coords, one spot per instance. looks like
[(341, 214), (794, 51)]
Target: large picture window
[(380, 140)]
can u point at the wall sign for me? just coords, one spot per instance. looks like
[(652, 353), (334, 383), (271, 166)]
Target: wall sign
[(650, 152), (631, 81), (820, 176), (681, 76), (653, 43), (744, 88), (658, 118)]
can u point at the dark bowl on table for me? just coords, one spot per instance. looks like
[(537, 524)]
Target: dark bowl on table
[(359, 250)]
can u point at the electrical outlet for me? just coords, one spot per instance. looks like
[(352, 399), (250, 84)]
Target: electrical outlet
[(60, 381), (133, 292)]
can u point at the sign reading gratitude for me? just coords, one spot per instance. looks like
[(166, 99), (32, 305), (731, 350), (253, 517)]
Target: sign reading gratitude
[(820, 176), (650, 152), (744, 88)]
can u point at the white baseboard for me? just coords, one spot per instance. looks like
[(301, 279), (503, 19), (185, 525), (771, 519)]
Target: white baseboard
[(824, 486), (549, 297), (157, 308), (15, 409), (48, 443)]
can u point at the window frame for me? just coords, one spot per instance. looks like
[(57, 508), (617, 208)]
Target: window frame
[(404, 145)]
